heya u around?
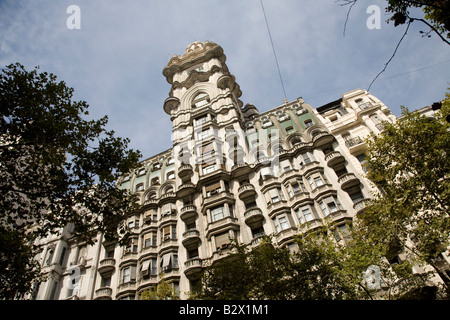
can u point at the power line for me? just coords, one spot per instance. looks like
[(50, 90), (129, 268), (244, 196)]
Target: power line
[(274, 53), (336, 89)]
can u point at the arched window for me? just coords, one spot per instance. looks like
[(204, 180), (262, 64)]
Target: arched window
[(168, 189), (200, 100), (171, 175)]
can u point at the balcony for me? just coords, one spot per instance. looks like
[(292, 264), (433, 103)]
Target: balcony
[(188, 212), (333, 158), (322, 189), (191, 238), (246, 190), (240, 169), (185, 170), (361, 205), (168, 243), (107, 265), (285, 235), (339, 215), (167, 197), (253, 216), (380, 127), (355, 144), (227, 223), (192, 268), (348, 180), (322, 138), (299, 198), (103, 294), (276, 207), (217, 198), (185, 189), (168, 217), (310, 225)]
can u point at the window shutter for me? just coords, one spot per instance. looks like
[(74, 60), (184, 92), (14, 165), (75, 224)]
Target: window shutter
[(212, 187), (133, 273), (222, 239), (145, 265)]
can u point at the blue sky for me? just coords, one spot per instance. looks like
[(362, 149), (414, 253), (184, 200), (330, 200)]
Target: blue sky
[(115, 61)]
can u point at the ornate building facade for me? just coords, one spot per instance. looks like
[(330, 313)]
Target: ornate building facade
[(232, 173)]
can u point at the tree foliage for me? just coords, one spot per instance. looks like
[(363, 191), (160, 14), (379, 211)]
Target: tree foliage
[(57, 167), (275, 273), (436, 14), (409, 163), (164, 290)]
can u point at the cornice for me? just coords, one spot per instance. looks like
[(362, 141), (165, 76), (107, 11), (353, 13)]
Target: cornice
[(195, 53)]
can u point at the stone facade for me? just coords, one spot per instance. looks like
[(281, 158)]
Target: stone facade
[(232, 173)]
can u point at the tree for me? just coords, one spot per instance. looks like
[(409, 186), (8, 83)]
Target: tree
[(274, 273), (409, 163), (163, 291), (436, 15), (56, 168)]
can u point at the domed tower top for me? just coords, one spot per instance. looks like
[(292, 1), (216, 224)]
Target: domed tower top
[(196, 53), (200, 71)]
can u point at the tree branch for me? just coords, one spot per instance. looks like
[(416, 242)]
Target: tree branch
[(432, 28), (347, 2), (390, 59)]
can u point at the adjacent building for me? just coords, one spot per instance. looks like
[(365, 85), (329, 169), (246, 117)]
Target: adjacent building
[(231, 173)]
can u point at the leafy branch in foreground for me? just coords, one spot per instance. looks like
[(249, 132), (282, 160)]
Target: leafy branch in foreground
[(57, 167)]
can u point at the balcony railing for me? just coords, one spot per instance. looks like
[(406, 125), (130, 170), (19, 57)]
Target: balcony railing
[(188, 211), (103, 293), (333, 158), (107, 265), (348, 180), (353, 142), (360, 205), (253, 215), (185, 170), (246, 190), (191, 237)]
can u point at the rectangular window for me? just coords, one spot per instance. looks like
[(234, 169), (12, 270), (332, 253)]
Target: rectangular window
[(126, 275), (274, 195), (304, 214), (222, 240), (154, 267), (209, 168), (311, 183), (213, 189), (306, 158), (217, 214), (280, 222), (200, 121), (330, 205), (318, 181)]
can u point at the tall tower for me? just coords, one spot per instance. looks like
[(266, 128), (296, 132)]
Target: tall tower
[(203, 103), (208, 143)]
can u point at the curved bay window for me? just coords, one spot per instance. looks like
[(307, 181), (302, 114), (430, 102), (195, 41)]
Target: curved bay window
[(329, 205), (281, 222), (304, 214), (274, 195)]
